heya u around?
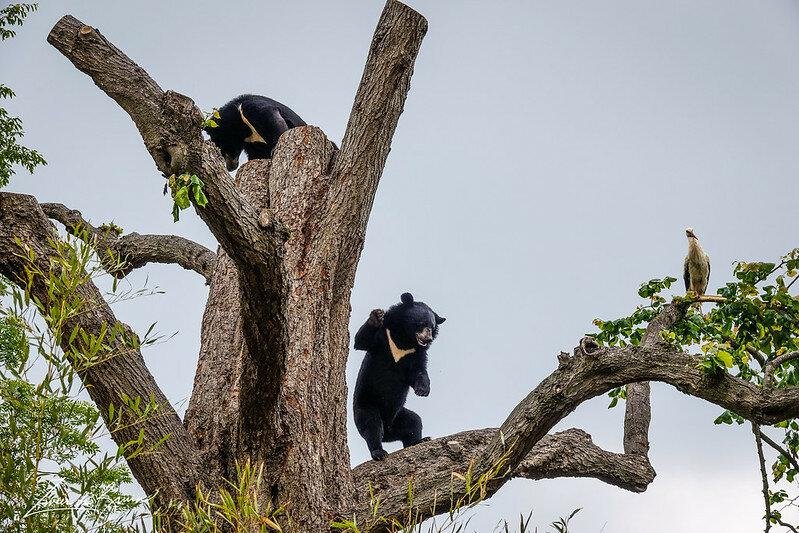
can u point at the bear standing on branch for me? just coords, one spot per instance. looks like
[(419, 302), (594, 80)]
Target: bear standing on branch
[(396, 344)]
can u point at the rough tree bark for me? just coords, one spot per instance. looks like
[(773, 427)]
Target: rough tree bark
[(270, 380)]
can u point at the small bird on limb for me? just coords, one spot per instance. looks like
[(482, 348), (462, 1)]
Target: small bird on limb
[(696, 270)]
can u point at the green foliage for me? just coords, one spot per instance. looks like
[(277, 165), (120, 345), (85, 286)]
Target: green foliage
[(630, 330), (11, 152), (211, 118), (233, 508), (53, 476), (14, 15), (524, 524), (619, 393), (186, 189), (728, 417), (53, 473)]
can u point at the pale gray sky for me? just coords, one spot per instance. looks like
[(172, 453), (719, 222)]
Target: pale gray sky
[(549, 157)]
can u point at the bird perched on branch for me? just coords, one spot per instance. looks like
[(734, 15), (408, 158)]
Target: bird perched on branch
[(696, 270)]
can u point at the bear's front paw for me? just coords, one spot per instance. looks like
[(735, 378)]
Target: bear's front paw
[(376, 318), (422, 389), (379, 455)]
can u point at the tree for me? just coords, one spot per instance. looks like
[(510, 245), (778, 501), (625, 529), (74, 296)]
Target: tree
[(11, 152), (269, 388)]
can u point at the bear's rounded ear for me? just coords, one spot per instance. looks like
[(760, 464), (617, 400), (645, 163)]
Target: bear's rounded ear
[(439, 319), (406, 298)]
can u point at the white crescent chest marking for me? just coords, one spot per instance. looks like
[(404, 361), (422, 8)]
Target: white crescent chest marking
[(396, 352), (255, 137)]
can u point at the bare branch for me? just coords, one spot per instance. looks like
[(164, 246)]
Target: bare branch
[(123, 254), (774, 364), (760, 357), (786, 524), (375, 113), (637, 409), (429, 466), (171, 470), (763, 475)]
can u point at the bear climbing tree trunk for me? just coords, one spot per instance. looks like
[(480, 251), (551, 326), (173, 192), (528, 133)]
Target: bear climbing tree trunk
[(270, 381)]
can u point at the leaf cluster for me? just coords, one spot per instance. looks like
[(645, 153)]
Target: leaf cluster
[(186, 189)]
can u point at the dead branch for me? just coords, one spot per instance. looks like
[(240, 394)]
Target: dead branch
[(122, 254)]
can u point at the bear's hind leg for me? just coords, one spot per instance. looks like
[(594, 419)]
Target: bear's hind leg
[(370, 426), (407, 427)]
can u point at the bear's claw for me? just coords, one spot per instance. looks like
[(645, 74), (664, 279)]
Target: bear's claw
[(379, 455), (376, 318)]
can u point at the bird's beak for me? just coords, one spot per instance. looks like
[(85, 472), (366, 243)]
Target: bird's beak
[(690, 234)]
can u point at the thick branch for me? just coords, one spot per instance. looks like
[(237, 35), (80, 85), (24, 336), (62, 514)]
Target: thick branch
[(637, 410), (123, 254), (170, 470), (375, 112), (429, 466)]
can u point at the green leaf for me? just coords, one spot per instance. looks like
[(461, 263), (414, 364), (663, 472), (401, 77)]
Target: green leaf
[(182, 198), (725, 357), (199, 198)]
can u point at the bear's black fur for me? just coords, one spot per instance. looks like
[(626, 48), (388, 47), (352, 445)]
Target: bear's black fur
[(232, 134), (396, 344)]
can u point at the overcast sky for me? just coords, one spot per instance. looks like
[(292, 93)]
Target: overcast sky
[(548, 159)]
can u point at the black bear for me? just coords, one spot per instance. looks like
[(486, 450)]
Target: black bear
[(251, 123), (396, 344)]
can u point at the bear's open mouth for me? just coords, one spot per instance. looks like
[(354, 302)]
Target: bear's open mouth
[(423, 341)]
